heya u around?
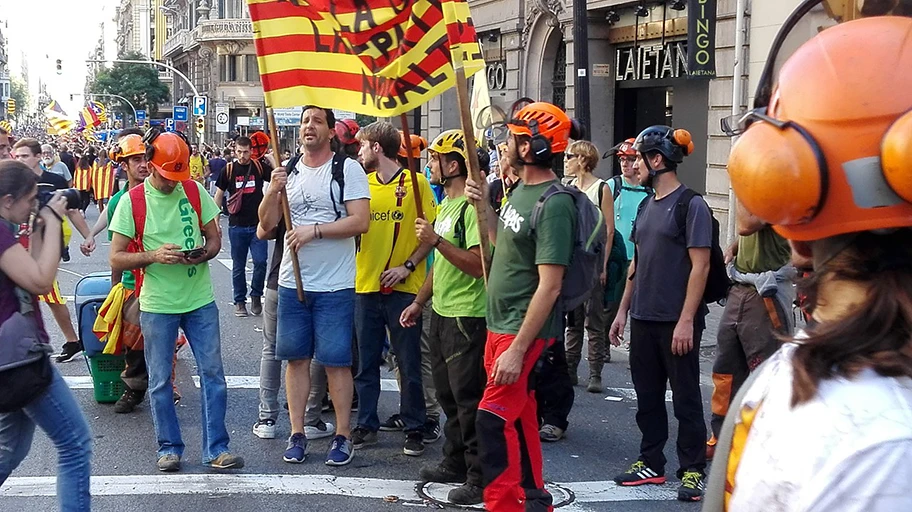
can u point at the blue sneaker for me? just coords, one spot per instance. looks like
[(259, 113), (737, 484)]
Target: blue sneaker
[(341, 452), (297, 448)]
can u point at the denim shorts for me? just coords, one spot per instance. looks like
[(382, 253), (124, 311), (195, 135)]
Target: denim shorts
[(319, 328)]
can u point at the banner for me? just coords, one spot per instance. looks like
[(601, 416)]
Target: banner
[(481, 99), (100, 111), (59, 123), (701, 38), (374, 57)]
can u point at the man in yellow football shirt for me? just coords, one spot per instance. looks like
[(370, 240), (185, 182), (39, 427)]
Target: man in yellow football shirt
[(199, 166)]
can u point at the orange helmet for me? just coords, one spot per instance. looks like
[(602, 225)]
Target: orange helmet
[(259, 143), (830, 155), (549, 127), (346, 129), (419, 144), (169, 154), (128, 146)]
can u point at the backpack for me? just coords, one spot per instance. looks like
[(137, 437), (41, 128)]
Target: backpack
[(619, 185), (459, 231), (138, 203), (589, 241), (338, 175)]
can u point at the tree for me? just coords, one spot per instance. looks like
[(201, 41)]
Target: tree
[(137, 82), (19, 92)]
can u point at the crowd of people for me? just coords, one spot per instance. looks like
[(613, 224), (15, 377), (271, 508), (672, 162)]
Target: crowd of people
[(376, 264)]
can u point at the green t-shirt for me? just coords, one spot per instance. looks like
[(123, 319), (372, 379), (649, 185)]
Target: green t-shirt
[(625, 210), (514, 271), (127, 280), (170, 289), (457, 294), (762, 251)]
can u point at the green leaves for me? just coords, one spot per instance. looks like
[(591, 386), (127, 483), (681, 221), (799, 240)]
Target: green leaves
[(137, 82)]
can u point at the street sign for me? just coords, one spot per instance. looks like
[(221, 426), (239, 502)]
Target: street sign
[(221, 118), (288, 116), (140, 116), (169, 124), (181, 113), (200, 105)]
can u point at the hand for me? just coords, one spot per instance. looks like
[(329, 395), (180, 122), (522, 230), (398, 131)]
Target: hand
[(87, 247), (57, 204), (278, 180), (425, 231), (394, 276), (169, 254), (507, 367), (409, 316), (476, 191), (616, 334), (682, 340), (299, 237), (729, 254), (603, 278)]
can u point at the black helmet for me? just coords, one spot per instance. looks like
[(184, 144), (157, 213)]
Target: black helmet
[(664, 140)]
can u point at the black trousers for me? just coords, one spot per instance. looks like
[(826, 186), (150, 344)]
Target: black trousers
[(457, 348), (652, 366), (553, 387)]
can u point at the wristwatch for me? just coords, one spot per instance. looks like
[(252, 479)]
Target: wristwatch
[(409, 266)]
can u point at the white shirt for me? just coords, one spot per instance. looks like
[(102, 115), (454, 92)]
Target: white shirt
[(327, 265), (848, 449)]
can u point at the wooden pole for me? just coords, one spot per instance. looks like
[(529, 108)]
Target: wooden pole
[(413, 167), (283, 201)]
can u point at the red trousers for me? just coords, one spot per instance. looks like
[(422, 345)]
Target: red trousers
[(508, 443)]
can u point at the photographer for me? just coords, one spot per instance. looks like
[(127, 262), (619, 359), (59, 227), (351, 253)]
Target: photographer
[(25, 276)]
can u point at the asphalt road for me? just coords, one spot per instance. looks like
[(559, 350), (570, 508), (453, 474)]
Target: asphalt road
[(602, 441)]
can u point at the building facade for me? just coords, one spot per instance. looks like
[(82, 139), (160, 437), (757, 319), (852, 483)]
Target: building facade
[(4, 75)]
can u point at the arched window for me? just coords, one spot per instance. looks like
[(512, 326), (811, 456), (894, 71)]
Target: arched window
[(559, 77)]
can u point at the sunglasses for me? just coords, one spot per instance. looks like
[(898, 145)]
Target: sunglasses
[(570, 156), (737, 124)]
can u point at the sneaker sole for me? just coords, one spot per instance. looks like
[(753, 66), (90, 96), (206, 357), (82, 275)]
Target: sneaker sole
[(433, 440), (391, 429), (655, 481), (363, 445), (70, 358), (413, 453), (294, 461), (690, 498), (229, 466), (265, 436), (334, 463)]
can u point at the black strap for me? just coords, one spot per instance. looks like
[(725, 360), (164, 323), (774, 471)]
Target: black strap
[(460, 230), (682, 208), (618, 184), (338, 175)]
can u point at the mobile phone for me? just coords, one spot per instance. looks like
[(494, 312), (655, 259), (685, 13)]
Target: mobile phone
[(194, 253)]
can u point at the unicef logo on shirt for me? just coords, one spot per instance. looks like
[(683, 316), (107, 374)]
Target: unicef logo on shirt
[(397, 215)]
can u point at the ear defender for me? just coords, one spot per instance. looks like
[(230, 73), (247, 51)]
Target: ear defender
[(896, 156), (778, 174), (577, 130), (541, 146)]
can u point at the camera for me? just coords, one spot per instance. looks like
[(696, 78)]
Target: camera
[(73, 197)]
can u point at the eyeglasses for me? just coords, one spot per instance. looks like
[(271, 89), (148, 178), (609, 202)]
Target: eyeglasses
[(736, 125), (570, 156)]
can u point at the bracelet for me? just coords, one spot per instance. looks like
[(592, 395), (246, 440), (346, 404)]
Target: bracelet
[(315, 231), (319, 232), (55, 213), (439, 240)]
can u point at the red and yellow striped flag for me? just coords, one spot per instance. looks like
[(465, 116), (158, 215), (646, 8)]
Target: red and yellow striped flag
[(374, 57)]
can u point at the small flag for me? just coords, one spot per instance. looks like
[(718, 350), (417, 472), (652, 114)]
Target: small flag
[(59, 123), (99, 109)]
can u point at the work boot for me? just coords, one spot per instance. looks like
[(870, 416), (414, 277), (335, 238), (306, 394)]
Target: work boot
[(256, 306), (466, 494), (595, 384), (240, 309), (572, 367), (128, 401)]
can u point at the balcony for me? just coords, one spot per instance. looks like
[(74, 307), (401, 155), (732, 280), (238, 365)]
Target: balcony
[(224, 30), (165, 75), (176, 43)]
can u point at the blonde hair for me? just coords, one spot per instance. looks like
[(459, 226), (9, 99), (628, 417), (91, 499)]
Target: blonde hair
[(587, 151)]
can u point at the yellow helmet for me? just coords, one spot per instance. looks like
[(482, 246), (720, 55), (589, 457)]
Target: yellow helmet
[(450, 141)]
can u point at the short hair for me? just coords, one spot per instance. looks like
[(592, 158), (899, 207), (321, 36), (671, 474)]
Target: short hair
[(385, 134), (226, 152), (33, 145), (484, 160), (587, 151), (330, 115), (456, 157), (243, 141)]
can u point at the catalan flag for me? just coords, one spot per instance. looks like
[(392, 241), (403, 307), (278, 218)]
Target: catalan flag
[(6, 126), (100, 111), (374, 57), (87, 119), (59, 123)]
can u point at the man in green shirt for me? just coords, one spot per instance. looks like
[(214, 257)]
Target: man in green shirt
[(525, 282), (457, 324)]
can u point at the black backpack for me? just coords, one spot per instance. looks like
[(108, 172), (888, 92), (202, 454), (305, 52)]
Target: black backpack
[(338, 175)]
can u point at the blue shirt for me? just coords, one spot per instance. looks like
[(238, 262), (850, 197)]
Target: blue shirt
[(625, 210)]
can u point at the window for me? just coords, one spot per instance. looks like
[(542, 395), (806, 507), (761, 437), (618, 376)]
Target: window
[(253, 71), (229, 68)]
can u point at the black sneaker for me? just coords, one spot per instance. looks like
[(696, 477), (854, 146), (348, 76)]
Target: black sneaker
[(466, 494), (638, 474), (71, 350), (414, 444), (431, 431), (362, 437), (441, 474), (65, 254), (692, 486), (393, 424), (128, 401)]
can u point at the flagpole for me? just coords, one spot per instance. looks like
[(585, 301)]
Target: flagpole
[(283, 201), (481, 210), (403, 118)]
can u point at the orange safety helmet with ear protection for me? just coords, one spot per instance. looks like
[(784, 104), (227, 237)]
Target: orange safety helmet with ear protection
[(169, 154), (128, 146), (832, 153), (549, 127), (418, 145)]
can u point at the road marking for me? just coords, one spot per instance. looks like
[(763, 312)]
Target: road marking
[(61, 269), (216, 484), (229, 264), (68, 298)]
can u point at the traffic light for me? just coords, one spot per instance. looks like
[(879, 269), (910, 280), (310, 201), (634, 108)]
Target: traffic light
[(59, 67), (11, 106), (200, 124)]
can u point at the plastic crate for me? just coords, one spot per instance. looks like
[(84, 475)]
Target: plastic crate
[(106, 370)]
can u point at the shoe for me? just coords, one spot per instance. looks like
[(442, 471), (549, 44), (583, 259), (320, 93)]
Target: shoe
[(226, 460), (320, 430), (327, 404), (693, 485), (65, 254), (595, 385), (440, 474), (169, 462), (341, 452), (71, 350), (466, 494), (240, 310), (550, 433), (256, 306), (176, 396), (431, 431), (393, 424), (638, 474), (362, 437), (574, 379), (355, 402), (297, 448), (414, 444), (265, 429), (181, 342), (128, 401), (711, 447)]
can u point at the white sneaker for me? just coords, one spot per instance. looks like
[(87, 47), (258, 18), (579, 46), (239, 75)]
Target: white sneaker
[(265, 429), (320, 430)]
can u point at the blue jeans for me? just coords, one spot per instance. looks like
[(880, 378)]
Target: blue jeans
[(320, 328), (201, 327), (242, 239), (57, 414), (374, 314)]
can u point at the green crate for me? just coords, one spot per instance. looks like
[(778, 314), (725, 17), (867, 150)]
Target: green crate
[(106, 370)]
